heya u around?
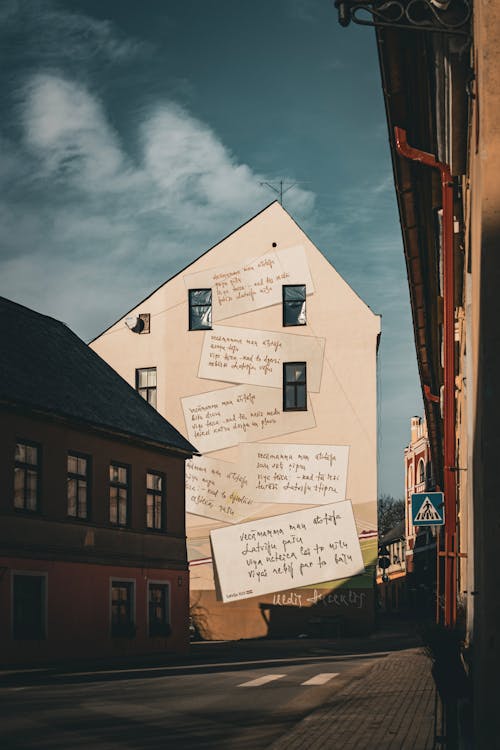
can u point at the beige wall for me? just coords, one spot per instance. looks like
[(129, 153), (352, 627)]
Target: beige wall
[(344, 407)]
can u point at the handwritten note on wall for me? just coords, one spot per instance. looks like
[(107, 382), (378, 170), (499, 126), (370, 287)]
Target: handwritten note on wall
[(245, 355), (217, 489), (283, 552), (254, 283), (226, 417), (286, 473)]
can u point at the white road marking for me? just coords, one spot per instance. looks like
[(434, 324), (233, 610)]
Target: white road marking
[(262, 680), (321, 679)]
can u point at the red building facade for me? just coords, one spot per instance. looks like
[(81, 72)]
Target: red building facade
[(92, 535)]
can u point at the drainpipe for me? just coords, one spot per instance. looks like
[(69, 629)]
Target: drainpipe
[(450, 528)]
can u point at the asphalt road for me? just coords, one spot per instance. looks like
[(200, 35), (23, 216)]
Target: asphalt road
[(245, 702)]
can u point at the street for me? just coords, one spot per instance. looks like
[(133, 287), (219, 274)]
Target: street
[(226, 703)]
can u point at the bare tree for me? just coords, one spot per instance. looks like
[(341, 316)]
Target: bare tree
[(391, 511)]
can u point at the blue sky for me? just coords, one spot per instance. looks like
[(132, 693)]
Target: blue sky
[(134, 135)]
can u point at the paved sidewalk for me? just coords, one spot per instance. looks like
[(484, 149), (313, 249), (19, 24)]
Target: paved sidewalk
[(391, 705)]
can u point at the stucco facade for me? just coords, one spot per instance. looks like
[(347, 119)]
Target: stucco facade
[(339, 350)]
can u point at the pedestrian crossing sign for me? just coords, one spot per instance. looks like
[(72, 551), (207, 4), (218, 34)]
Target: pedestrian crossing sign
[(427, 509)]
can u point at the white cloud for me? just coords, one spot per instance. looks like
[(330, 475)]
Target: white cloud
[(99, 228), (192, 170), (66, 128)]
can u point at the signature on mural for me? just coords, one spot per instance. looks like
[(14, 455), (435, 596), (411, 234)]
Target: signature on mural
[(350, 598)]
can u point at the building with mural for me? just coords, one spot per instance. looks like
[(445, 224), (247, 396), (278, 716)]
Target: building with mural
[(265, 358), (93, 556)]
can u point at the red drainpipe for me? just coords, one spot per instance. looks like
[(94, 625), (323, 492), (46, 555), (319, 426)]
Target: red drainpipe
[(450, 529)]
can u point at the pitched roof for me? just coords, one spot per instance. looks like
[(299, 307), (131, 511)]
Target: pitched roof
[(191, 263), (275, 204), (397, 532), (45, 366)]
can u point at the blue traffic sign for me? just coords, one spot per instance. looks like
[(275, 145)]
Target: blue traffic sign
[(427, 509)]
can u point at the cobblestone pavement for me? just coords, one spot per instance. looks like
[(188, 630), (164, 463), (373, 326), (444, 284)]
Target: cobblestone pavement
[(390, 705)]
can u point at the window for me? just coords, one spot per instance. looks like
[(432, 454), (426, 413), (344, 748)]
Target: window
[(294, 305), (122, 609), (26, 476), (145, 383), (28, 606), (118, 494), (159, 609), (78, 485), (410, 476), (155, 505), (421, 471), (145, 324), (294, 386), (200, 309)]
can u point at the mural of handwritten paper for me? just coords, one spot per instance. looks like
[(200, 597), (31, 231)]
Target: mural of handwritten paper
[(286, 473), (283, 552), (254, 283), (241, 413), (246, 355), (217, 489)]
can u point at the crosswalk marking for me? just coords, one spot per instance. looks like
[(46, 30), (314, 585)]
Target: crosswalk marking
[(262, 680), (320, 679)]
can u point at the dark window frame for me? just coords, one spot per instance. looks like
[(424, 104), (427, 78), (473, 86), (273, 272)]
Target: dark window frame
[(287, 304), (159, 627), (88, 479), (122, 627), (147, 391), (120, 486), (41, 633), (295, 384), (25, 466), (157, 494), (193, 306)]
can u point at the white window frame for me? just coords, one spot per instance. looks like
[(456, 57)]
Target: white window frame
[(420, 463)]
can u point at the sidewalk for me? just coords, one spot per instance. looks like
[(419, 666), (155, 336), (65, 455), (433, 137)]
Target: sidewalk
[(391, 705)]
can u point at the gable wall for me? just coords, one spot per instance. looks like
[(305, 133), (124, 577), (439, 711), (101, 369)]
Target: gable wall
[(345, 406)]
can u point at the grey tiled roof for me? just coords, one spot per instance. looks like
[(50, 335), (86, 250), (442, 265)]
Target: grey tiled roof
[(45, 366)]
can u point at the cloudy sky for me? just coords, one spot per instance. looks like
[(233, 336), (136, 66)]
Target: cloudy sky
[(134, 135)]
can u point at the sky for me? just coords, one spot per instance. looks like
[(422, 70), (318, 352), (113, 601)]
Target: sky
[(135, 135)]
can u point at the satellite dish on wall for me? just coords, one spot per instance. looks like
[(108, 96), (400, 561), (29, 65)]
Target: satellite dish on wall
[(134, 323)]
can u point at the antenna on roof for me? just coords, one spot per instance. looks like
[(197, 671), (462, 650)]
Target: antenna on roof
[(281, 189)]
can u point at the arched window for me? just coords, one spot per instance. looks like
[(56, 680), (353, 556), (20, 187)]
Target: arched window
[(421, 471), (410, 476)]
